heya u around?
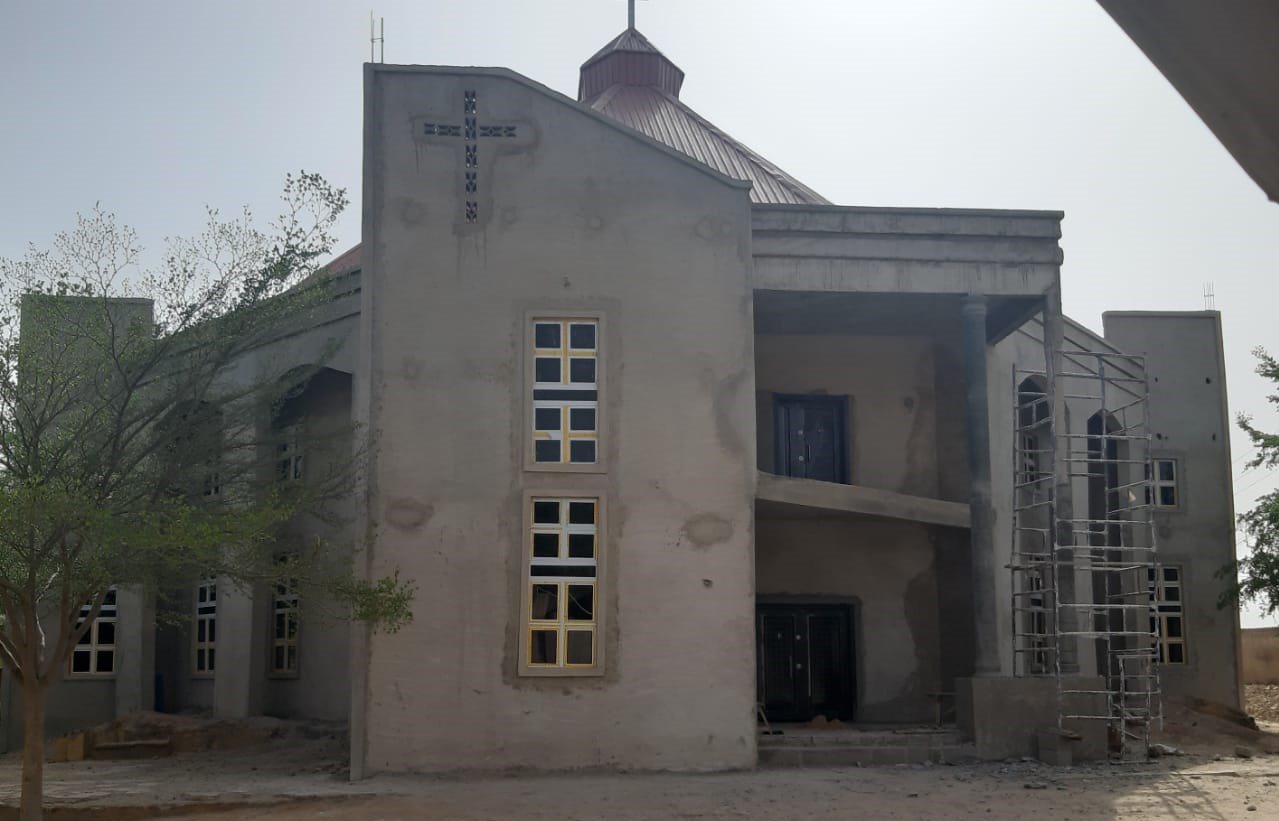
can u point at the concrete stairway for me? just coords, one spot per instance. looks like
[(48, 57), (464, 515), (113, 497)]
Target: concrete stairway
[(799, 746)]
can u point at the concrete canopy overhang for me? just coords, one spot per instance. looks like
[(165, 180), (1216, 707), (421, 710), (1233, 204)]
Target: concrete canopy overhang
[(1223, 58), (919, 259), (784, 497)]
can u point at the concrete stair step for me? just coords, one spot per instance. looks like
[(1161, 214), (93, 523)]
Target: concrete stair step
[(872, 755)]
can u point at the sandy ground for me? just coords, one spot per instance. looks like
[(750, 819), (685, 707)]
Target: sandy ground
[(296, 779)]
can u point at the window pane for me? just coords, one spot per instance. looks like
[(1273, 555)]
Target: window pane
[(546, 450), (581, 335), (581, 369), (546, 419), (546, 513), (292, 657), (80, 661), (581, 452), (1172, 574), (200, 628), (547, 334), (581, 647), (106, 632), (581, 546), (581, 513), (203, 595), (211, 652), (87, 638), (279, 657), (1168, 496), (106, 662), (1172, 593), (279, 625), (542, 647), (1174, 627), (546, 545), (109, 601), (581, 419), (547, 369), (1176, 654), (212, 630), (1167, 470), (199, 660), (581, 602), (544, 602)]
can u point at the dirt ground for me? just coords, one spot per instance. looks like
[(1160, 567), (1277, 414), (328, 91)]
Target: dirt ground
[(1224, 772)]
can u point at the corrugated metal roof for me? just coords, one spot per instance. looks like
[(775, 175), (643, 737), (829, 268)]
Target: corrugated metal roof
[(632, 82), (664, 118)]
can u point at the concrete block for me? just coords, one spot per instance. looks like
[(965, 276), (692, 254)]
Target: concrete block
[(1052, 747), (1001, 715)]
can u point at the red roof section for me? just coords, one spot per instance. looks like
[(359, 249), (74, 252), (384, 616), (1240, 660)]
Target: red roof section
[(632, 82)]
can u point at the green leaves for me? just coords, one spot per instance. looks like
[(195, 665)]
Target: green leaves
[(1256, 576)]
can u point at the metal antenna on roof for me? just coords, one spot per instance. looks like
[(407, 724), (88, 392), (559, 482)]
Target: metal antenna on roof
[(1210, 297), (377, 38)]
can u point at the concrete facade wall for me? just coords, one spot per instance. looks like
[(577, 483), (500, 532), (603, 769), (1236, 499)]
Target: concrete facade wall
[(1191, 423), (584, 217), (886, 570)]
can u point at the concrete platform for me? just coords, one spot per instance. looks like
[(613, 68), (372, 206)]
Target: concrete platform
[(863, 746)]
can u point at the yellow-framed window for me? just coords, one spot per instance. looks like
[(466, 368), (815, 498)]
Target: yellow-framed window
[(1167, 613), (566, 391), (94, 653), (561, 623)]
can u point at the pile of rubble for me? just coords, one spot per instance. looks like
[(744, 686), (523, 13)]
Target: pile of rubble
[(1261, 701)]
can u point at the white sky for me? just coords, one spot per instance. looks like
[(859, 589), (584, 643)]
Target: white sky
[(156, 108)]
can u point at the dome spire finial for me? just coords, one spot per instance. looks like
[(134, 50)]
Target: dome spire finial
[(630, 14)]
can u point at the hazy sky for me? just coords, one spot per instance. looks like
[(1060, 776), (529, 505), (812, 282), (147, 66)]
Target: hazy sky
[(156, 108)]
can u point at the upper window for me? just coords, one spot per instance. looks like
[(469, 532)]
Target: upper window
[(1164, 483), (560, 625), (94, 653), (288, 455), (206, 625), (565, 391), (1167, 620)]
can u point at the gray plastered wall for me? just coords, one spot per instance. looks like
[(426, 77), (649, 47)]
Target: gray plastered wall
[(586, 217)]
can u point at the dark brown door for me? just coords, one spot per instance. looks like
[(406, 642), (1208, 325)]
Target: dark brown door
[(811, 441), (805, 661)]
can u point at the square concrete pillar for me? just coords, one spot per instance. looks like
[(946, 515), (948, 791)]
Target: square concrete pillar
[(134, 650), (1003, 715), (239, 677)]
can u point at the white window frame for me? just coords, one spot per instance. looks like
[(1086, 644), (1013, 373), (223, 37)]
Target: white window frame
[(561, 572), (92, 644), (285, 624), (1167, 585), (289, 461), (204, 632), (1158, 484)]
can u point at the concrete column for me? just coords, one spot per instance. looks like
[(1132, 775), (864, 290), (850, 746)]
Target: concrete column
[(1063, 498), (985, 624), (135, 651), (240, 675)]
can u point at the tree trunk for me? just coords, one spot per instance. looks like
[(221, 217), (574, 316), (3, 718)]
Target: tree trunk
[(31, 808)]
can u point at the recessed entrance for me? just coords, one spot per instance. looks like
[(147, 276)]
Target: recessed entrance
[(804, 656)]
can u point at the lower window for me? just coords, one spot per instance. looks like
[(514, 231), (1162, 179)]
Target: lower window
[(206, 625), (1167, 617), (562, 594), (94, 653), (284, 623)]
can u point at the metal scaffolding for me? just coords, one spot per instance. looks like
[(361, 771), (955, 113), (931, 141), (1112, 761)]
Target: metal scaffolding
[(1083, 545)]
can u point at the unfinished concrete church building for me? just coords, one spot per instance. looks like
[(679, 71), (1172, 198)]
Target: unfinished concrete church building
[(672, 445)]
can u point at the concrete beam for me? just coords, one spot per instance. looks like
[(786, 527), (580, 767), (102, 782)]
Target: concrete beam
[(858, 499), (780, 271)]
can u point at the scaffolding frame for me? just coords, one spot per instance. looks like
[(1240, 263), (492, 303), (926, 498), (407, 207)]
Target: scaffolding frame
[(1082, 584)]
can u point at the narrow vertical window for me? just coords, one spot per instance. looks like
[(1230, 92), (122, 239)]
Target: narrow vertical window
[(1164, 483), (288, 455), (1167, 616), (94, 653), (284, 623), (206, 625), (565, 391), (562, 595)]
